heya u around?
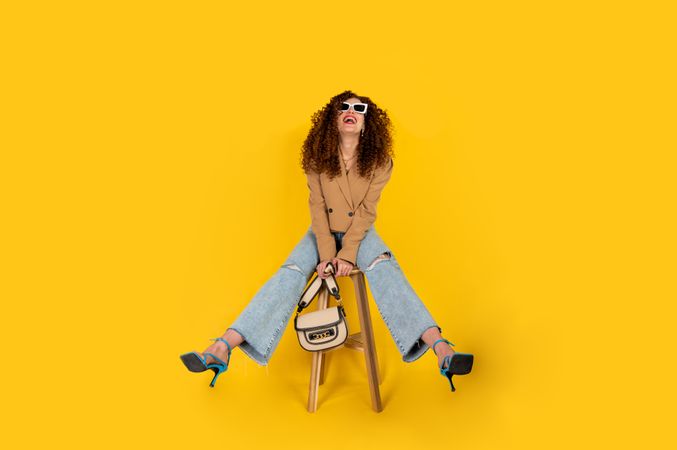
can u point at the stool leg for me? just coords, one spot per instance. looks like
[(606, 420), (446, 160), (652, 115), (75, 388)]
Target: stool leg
[(323, 364), (316, 368), (322, 303), (368, 339)]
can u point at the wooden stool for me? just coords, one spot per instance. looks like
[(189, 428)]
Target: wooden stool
[(362, 341)]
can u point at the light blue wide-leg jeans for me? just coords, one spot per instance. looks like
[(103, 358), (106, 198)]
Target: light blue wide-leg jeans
[(266, 316)]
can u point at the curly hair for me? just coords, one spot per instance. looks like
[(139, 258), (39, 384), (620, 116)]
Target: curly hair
[(321, 147)]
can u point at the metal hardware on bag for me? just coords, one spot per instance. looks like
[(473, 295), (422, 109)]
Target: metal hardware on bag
[(321, 335)]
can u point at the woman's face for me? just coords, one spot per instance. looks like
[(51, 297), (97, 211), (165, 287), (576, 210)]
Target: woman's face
[(351, 122)]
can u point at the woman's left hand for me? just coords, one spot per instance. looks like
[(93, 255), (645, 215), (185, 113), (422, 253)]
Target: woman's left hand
[(343, 268)]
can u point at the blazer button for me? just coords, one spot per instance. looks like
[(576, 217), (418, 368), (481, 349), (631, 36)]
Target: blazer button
[(331, 210), (350, 213)]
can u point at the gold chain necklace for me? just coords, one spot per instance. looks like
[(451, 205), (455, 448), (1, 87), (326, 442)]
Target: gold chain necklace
[(345, 160)]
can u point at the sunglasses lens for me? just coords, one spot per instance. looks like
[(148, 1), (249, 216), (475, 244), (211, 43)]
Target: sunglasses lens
[(360, 107), (345, 106)]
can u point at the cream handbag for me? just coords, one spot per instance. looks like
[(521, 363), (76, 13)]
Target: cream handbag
[(324, 329)]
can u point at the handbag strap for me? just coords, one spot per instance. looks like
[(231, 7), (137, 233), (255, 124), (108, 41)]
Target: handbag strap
[(314, 287)]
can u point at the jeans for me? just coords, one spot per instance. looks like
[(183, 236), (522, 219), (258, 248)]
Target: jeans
[(265, 317)]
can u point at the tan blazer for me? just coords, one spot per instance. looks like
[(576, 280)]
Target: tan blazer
[(347, 204)]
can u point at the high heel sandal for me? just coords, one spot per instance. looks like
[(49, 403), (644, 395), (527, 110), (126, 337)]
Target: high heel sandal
[(457, 364), (195, 363)]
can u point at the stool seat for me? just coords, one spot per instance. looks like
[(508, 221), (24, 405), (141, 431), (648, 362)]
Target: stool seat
[(362, 341)]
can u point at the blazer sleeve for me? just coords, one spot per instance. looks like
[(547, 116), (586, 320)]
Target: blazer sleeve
[(365, 215), (326, 244)]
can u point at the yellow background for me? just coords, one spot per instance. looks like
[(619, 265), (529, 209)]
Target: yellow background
[(150, 185)]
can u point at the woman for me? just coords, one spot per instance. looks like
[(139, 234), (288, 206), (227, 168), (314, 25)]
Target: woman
[(347, 158)]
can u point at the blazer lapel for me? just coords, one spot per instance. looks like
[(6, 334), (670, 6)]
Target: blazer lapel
[(353, 186), (343, 184), (358, 188)]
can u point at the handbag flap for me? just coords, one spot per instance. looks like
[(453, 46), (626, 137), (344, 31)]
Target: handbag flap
[(323, 317)]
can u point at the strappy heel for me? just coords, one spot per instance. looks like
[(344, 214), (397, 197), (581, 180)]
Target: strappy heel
[(457, 364), (196, 363)]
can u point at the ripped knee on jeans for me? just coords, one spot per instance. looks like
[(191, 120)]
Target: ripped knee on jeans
[(292, 267), (379, 258)]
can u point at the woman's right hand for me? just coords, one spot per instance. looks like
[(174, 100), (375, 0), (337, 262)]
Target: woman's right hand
[(320, 269)]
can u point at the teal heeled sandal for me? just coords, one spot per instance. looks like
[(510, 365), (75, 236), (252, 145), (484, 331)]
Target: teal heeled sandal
[(195, 363), (456, 364)]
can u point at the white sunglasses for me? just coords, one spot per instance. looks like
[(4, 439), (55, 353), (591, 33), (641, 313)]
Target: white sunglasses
[(357, 107)]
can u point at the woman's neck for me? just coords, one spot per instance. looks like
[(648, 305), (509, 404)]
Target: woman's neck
[(348, 145)]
